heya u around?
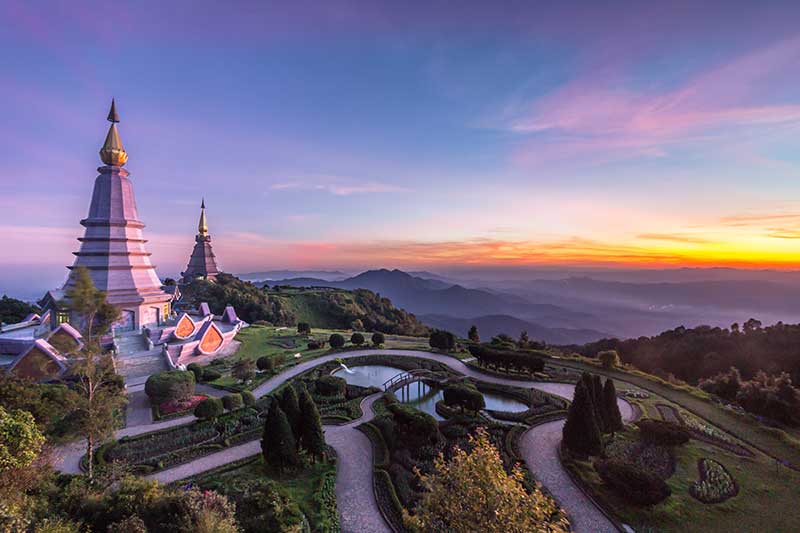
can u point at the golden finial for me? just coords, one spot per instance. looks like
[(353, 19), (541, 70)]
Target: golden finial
[(113, 153), (202, 227)]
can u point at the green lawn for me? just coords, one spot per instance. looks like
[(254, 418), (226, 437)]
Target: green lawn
[(767, 499)]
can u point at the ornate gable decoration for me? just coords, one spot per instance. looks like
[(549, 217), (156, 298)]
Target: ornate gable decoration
[(211, 339), (185, 327)]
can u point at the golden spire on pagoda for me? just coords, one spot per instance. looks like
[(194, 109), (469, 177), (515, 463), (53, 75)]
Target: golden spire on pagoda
[(113, 153), (202, 227)]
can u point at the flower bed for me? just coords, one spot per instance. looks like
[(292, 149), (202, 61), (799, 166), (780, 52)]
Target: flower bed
[(715, 484), (326, 499), (702, 431), (657, 460), (180, 406)]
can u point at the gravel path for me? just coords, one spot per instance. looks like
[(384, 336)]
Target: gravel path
[(203, 464), (355, 496), (539, 447)]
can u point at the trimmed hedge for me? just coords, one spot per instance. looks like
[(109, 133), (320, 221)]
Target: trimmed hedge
[(336, 341), (197, 370), (634, 485), (381, 456), (209, 408), (331, 386), (508, 359), (209, 374), (662, 433), (248, 398), (232, 401), (464, 396), (169, 385), (414, 427), (265, 362)]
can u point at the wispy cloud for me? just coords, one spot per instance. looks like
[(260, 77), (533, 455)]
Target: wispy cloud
[(337, 185), (673, 237), (599, 116)]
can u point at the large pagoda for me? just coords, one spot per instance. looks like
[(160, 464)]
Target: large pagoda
[(113, 247), (203, 262)]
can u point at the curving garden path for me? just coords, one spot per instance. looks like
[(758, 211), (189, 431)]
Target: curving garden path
[(539, 447), (358, 507)]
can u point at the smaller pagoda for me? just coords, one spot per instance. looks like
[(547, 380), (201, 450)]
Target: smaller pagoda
[(202, 263)]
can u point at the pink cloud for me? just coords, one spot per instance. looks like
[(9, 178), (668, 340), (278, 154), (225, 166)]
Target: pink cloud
[(599, 118), (337, 185)]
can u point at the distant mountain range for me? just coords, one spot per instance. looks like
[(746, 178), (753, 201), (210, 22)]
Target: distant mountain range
[(445, 301), (328, 275), (491, 325)]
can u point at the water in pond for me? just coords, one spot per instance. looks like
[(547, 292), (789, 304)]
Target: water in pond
[(419, 396)]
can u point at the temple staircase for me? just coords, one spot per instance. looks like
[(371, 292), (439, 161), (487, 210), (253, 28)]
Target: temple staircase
[(135, 358)]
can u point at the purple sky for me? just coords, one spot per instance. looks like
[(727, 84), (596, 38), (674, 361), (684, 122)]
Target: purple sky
[(408, 134)]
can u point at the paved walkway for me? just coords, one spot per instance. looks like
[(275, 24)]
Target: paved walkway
[(355, 496), (209, 462), (539, 448)]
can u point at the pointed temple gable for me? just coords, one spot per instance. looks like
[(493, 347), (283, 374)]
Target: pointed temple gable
[(202, 262), (40, 361), (184, 328), (210, 337), (113, 247)]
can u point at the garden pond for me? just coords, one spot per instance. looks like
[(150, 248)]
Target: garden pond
[(419, 396)]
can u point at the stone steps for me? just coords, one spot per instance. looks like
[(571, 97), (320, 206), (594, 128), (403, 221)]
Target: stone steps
[(141, 364)]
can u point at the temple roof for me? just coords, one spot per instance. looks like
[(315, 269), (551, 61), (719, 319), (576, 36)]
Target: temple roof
[(113, 153)]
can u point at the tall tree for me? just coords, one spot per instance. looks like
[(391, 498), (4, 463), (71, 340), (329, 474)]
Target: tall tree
[(611, 407), (473, 492), (84, 300), (597, 400), (291, 407), (278, 444), (581, 434), (473, 335), (312, 436), (99, 396)]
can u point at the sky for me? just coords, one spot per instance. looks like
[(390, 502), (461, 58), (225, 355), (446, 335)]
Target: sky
[(352, 135)]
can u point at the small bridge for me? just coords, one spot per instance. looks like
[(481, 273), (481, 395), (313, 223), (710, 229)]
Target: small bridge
[(406, 378)]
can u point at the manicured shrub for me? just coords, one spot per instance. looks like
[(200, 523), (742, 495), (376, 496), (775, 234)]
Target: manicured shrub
[(209, 374), (169, 385), (197, 370), (414, 427), (277, 444), (265, 363), (331, 386), (312, 438), (267, 506), (378, 338), (244, 370), (442, 340), (357, 339), (316, 344), (291, 407), (662, 432), (465, 396), (232, 401), (248, 398), (612, 416), (336, 341), (209, 408), (581, 433), (609, 358), (507, 359), (634, 485), (473, 334), (303, 328)]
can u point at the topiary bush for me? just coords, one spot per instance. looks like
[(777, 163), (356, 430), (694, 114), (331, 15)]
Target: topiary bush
[(232, 401), (265, 362), (336, 341), (209, 408), (357, 339), (634, 485), (197, 370), (414, 427), (248, 398), (378, 338), (609, 359), (662, 432), (331, 386), (209, 374), (464, 396), (169, 385)]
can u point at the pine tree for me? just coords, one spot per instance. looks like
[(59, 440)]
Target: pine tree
[(613, 416), (291, 408), (473, 335), (312, 438), (278, 444), (581, 434), (597, 399)]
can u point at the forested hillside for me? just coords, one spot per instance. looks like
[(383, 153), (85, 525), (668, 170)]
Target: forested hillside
[(322, 308)]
